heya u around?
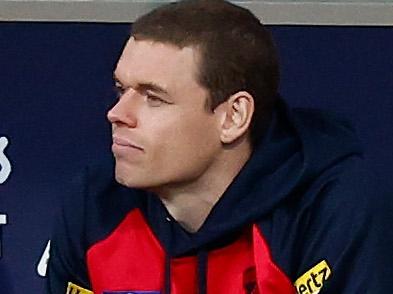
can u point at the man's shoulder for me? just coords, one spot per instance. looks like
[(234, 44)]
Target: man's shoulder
[(345, 185), (96, 204)]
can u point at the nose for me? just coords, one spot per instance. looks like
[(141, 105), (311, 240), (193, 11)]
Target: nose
[(123, 112)]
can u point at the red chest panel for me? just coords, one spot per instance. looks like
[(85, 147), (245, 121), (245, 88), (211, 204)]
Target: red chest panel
[(132, 259)]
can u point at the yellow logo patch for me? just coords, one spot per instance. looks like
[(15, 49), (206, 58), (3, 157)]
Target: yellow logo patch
[(312, 281), (75, 289)]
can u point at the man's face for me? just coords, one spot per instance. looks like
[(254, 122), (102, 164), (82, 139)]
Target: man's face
[(162, 133)]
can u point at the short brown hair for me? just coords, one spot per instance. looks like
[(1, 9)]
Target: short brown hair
[(237, 51)]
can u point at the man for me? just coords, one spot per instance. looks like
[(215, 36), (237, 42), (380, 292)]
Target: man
[(223, 188)]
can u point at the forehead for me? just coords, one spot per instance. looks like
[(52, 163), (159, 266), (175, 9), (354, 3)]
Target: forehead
[(163, 64)]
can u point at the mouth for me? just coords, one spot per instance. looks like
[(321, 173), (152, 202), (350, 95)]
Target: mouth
[(123, 142)]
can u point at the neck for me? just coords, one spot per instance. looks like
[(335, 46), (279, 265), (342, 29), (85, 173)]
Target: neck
[(191, 203)]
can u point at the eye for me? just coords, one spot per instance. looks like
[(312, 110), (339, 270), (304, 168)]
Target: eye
[(154, 100)]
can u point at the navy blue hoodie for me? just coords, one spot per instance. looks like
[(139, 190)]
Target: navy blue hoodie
[(298, 218)]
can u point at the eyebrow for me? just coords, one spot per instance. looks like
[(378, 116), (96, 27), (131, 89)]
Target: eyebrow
[(145, 86)]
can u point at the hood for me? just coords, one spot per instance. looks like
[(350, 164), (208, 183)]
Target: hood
[(298, 146)]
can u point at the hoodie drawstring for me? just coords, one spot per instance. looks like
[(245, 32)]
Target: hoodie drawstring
[(167, 274), (202, 262)]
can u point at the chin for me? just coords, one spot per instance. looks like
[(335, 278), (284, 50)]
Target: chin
[(120, 180), (129, 180)]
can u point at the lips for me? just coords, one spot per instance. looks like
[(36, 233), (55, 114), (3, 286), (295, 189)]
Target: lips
[(124, 142)]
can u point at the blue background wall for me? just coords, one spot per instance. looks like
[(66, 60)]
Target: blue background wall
[(56, 86)]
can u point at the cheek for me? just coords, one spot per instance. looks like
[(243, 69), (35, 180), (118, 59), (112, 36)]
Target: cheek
[(185, 141)]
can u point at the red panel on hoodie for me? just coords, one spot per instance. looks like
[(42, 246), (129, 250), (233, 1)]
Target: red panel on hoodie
[(132, 259)]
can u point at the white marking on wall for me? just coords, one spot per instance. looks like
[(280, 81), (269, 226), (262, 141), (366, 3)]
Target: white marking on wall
[(5, 165), (43, 263)]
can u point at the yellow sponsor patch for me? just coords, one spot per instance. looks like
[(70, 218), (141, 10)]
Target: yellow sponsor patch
[(75, 289), (312, 281)]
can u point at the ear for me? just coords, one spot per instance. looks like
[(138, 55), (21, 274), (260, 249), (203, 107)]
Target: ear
[(235, 116)]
